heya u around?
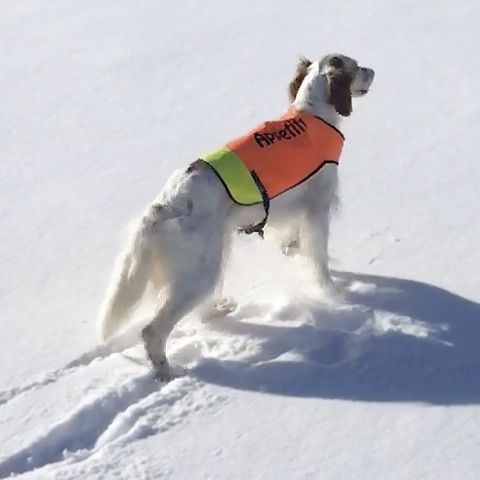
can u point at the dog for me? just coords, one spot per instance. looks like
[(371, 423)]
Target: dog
[(180, 245)]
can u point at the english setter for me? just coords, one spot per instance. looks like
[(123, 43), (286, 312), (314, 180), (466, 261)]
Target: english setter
[(179, 245)]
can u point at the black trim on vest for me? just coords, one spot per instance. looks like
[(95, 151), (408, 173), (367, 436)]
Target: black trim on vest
[(310, 175), (225, 185)]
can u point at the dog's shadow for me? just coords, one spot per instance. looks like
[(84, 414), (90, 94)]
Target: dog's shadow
[(399, 340)]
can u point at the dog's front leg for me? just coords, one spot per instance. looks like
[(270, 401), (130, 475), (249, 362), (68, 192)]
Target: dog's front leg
[(315, 235), (290, 244), (219, 305)]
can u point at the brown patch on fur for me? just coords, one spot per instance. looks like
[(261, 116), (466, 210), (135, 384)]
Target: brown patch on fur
[(340, 95), (196, 166), (300, 74)]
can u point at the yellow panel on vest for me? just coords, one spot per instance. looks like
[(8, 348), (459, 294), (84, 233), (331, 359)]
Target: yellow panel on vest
[(235, 176)]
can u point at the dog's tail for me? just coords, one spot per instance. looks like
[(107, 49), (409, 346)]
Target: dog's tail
[(127, 285)]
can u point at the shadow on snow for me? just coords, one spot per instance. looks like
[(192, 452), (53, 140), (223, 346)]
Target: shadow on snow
[(442, 367)]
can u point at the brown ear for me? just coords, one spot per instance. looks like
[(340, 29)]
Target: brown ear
[(300, 74), (340, 95)]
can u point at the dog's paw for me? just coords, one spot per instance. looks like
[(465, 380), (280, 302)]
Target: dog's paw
[(327, 291), (332, 293), (220, 307), (291, 248), (167, 372)]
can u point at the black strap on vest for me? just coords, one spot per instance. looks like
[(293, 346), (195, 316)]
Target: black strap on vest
[(258, 228)]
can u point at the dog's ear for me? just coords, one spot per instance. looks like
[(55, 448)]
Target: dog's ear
[(339, 83), (300, 74)]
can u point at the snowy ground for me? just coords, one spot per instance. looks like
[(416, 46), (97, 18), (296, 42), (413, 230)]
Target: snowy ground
[(99, 102)]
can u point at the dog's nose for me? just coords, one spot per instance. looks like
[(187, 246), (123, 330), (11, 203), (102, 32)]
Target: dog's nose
[(369, 73)]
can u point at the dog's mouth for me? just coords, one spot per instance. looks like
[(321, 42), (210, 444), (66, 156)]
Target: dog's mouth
[(363, 92)]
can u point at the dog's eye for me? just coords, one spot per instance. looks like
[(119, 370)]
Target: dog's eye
[(336, 62)]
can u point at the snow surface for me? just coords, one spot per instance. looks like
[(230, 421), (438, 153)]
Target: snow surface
[(99, 102)]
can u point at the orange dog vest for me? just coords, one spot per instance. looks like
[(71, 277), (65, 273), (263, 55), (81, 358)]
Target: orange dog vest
[(275, 157)]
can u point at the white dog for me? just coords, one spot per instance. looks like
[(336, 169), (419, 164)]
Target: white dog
[(180, 244)]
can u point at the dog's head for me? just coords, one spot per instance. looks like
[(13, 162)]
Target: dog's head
[(344, 79)]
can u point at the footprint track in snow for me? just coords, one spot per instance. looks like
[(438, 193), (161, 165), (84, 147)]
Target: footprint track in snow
[(135, 409), (90, 357), (44, 379)]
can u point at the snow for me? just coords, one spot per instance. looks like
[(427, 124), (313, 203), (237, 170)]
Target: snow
[(99, 102)]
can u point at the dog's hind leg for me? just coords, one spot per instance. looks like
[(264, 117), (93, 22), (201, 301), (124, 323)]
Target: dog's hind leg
[(188, 289)]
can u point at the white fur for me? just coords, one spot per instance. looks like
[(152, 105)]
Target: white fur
[(182, 240)]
